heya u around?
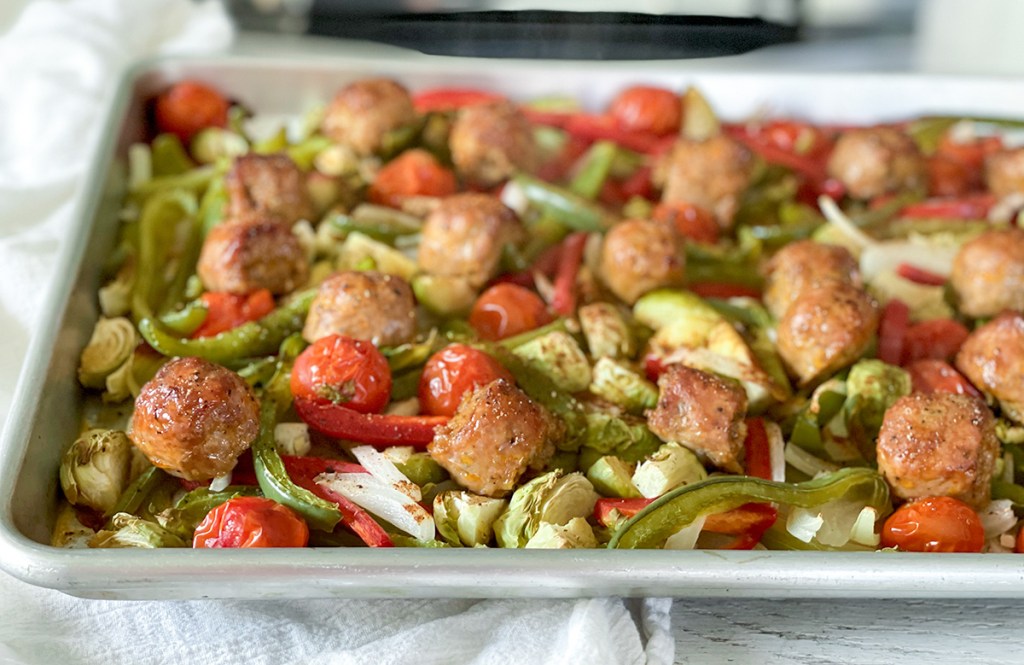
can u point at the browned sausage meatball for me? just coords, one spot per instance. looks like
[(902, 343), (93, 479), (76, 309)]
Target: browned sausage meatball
[(802, 265), (363, 112), (712, 174), (269, 184), (490, 142), (939, 444), (640, 255), (1004, 172), (877, 160), (988, 273), (364, 305), (496, 434), (465, 236), (194, 419), (992, 357), (702, 412), (828, 327), (257, 252)]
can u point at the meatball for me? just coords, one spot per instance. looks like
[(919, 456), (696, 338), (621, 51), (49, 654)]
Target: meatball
[(490, 142), (268, 184), (702, 412), (640, 255), (877, 160), (365, 305), (712, 174), (939, 444), (465, 237), (496, 434), (194, 419), (802, 265), (363, 112), (825, 329), (992, 358), (250, 253), (988, 273), (1004, 172)]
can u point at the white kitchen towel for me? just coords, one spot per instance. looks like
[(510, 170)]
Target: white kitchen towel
[(58, 66)]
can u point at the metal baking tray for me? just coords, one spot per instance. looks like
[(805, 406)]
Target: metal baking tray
[(47, 407)]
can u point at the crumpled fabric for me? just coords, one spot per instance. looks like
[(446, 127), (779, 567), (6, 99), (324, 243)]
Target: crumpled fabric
[(59, 66)]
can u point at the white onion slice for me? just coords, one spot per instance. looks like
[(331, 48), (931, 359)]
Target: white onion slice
[(382, 500), (776, 451), (887, 256), (383, 469), (803, 524), (686, 538), (513, 196), (836, 217), (863, 531), (997, 517), (803, 461), (220, 483)]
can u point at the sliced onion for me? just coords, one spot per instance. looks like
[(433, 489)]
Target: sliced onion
[(220, 483), (383, 469), (863, 531), (887, 256), (776, 451), (383, 500), (837, 218), (686, 538), (803, 461), (513, 196), (997, 517), (804, 524)]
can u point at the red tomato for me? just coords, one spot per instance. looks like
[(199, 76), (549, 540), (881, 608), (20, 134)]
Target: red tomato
[(251, 521), (691, 221), (798, 137), (938, 376), (938, 338), (413, 173), (452, 372), (951, 177), (188, 107), (934, 524), (450, 99), (225, 311), (345, 371), (647, 109), (505, 310)]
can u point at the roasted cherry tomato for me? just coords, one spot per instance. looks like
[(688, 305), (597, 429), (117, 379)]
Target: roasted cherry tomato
[(413, 173), (251, 521), (505, 310), (345, 371), (647, 109), (451, 373), (225, 311), (937, 376), (189, 107), (691, 221), (934, 524), (937, 339)]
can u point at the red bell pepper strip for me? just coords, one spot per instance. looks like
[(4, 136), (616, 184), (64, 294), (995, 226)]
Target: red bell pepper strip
[(296, 466), (748, 522), (976, 206), (938, 339), (654, 367), (352, 516), (892, 331), (723, 290), (938, 376), (757, 450), (563, 300), (919, 275), (624, 507), (605, 127), (225, 311), (639, 184), (450, 99), (372, 428)]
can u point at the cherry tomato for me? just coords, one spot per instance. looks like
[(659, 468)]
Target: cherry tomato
[(691, 221), (188, 107), (505, 310), (647, 109), (413, 173), (225, 311), (793, 136), (451, 373), (345, 371), (251, 521), (937, 376), (938, 339), (972, 153), (934, 524)]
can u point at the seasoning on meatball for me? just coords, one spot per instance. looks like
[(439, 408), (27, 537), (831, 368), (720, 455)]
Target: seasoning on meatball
[(362, 113), (803, 265), (828, 327), (465, 236), (988, 273), (250, 253), (992, 358), (365, 305), (877, 160), (702, 412), (939, 444), (640, 255), (491, 142), (194, 419), (1004, 172), (268, 184), (496, 434), (711, 174)]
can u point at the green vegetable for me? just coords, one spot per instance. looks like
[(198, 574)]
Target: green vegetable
[(112, 343), (612, 476), (617, 383), (131, 531), (275, 483), (606, 331), (466, 520), (725, 263), (168, 236), (595, 166), (565, 206), (444, 295), (305, 152), (653, 525), (553, 497), (189, 511), (278, 387), (378, 222), (94, 469), (559, 358), (575, 534), (619, 434), (412, 354), (699, 120), (358, 247), (419, 467), (825, 403), (872, 387), (185, 321), (255, 338), (139, 490), (169, 156), (215, 143), (671, 466)]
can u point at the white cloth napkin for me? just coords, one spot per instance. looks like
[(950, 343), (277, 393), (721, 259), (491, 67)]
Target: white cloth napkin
[(58, 65)]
